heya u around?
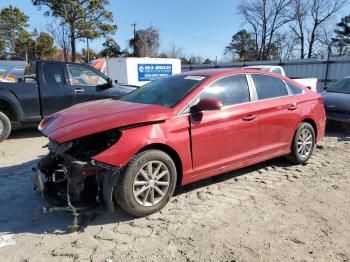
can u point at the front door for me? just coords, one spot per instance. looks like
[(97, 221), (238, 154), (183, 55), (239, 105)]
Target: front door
[(228, 136), (85, 84)]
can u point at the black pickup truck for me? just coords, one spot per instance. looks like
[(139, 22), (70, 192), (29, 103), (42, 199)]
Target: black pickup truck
[(48, 87)]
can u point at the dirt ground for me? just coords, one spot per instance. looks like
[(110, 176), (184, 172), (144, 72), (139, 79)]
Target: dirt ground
[(273, 211)]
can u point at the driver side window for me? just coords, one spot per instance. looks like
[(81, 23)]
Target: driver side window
[(81, 75), (230, 90)]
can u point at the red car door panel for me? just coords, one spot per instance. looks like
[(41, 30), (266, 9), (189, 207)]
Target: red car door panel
[(221, 138), (278, 121)]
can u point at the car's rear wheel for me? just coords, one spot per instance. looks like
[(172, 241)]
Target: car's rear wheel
[(147, 183), (303, 144), (5, 126)]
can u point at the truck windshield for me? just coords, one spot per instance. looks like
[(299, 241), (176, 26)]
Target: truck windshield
[(342, 86), (165, 91)]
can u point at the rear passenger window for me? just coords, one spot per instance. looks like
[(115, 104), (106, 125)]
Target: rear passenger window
[(296, 90), (269, 87), (277, 71), (229, 90), (53, 73)]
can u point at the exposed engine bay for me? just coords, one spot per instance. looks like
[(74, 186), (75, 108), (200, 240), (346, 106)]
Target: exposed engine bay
[(71, 180)]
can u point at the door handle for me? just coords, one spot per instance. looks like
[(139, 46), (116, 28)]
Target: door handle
[(293, 106), (249, 118), (79, 90)]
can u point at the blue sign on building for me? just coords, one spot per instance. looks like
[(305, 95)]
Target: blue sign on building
[(150, 72)]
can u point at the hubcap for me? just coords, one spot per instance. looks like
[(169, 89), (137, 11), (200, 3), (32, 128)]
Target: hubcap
[(305, 143), (1, 127), (151, 183)]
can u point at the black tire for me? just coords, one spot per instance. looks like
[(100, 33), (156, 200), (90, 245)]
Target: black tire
[(296, 157), (124, 190), (5, 126)]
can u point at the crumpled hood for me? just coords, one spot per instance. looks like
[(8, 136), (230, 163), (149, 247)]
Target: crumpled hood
[(336, 101), (97, 116)]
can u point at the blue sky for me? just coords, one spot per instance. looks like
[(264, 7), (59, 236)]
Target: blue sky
[(200, 28)]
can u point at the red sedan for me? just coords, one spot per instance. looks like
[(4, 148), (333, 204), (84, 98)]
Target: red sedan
[(175, 131)]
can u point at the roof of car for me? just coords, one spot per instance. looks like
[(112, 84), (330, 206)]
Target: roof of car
[(262, 66), (224, 71), (217, 73)]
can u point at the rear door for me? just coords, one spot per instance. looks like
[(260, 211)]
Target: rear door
[(85, 84), (230, 135), (279, 113), (54, 92)]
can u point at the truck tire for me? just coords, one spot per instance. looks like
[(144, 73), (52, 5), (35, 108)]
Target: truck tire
[(5, 126), (146, 184)]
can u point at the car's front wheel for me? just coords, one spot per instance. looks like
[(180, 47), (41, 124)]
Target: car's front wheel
[(147, 183), (303, 144)]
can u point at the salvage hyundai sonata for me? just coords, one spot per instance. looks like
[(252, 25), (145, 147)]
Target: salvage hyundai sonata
[(174, 131)]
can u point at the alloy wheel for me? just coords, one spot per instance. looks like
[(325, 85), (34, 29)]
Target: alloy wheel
[(151, 183), (305, 143)]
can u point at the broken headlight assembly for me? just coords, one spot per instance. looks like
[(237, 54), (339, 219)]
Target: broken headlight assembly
[(84, 148)]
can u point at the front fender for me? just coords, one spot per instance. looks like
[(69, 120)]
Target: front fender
[(135, 139), (15, 106), (130, 142)]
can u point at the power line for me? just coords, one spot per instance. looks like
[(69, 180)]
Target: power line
[(194, 36)]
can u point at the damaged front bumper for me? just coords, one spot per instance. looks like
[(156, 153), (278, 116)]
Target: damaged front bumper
[(75, 187), (71, 180), (75, 183)]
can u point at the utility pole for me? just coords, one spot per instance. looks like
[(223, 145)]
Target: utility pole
[(134, 46), (87, 50)]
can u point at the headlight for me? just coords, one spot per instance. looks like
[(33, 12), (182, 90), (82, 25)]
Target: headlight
[(45, 121), (85, 148)]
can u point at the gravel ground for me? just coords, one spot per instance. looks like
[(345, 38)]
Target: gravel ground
[(273, 211)]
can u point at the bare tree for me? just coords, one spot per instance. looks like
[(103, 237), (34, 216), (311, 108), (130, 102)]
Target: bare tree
[(326, 37), (196, 59), (299, 13), (285, 45), (174, 52), (265, 17), (321, 11), (146, 42), (60, 34)]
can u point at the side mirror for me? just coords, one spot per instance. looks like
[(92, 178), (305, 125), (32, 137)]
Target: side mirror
[(207, 104), (107, 85), (109, 82)]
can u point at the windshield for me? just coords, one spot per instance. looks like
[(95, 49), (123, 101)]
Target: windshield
[(165, 91), (342, 86)]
